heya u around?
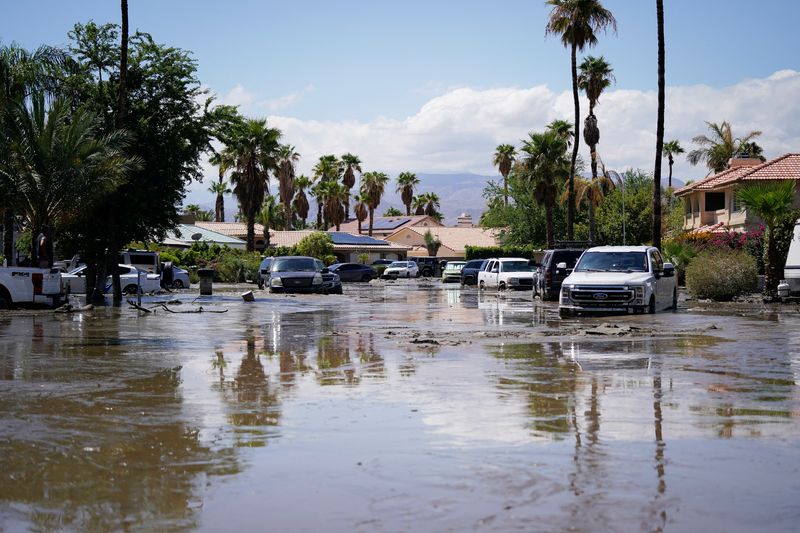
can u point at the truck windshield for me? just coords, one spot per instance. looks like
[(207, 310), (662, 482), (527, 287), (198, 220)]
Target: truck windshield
[(294, 264), (515, 266), (612, 262)]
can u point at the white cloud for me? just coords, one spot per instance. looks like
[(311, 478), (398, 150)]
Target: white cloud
[(459, 130)]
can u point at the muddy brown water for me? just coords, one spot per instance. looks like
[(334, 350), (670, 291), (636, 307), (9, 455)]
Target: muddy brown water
[(397, 407)]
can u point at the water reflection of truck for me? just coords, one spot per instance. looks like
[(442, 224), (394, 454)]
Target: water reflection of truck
[(29, 286)]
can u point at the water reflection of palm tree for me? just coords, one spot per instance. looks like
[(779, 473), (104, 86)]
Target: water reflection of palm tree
[(660, 444), (372, 363), (333, 361)]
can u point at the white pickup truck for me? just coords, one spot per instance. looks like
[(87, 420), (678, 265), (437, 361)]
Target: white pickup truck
[(619, 279), (29, 286), (506, 273)]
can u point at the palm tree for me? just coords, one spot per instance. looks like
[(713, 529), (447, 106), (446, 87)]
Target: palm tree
[(122, 92), (392, 212), (252, 154), (718, 149), (544, 166), (432, 204), (772, 202), (328, 168), (268, 217), (300, 202), (286, 159), (671, 149), (418, 204), (220, 189), (595, 76), (337, 195), (577, 22), (352, 164), (373, 184), (563, 128), (361, 209), (406, 183), (752, 149), (592, 192), (504, 157), (58, 163), (659, 128)]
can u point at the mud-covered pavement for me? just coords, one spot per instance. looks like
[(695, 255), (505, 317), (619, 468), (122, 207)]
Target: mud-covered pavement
[(399, 406)]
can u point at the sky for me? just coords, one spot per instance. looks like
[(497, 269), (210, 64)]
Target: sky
[(435, 86)]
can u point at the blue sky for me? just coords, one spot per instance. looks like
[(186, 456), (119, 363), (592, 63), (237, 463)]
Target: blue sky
[(435, 86)]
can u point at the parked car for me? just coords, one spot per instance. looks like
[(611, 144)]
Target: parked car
[(302, 274), (263, 272), (469, 273), (383, 262), (548, 277), (74, 282), (452, 272), (180, 278), (619, 278), (401, 269), (142, 259), (354, 271), (428, 266), (506, 273), (790, 284)]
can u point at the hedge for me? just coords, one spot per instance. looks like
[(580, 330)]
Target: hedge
[(486, 252)]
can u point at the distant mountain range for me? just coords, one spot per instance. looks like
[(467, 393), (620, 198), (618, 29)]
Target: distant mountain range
[(458, 193)]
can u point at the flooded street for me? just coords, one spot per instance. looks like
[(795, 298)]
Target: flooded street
[(395, 407)]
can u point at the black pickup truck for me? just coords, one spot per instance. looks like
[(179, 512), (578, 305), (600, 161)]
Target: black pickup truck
[(547, 279)]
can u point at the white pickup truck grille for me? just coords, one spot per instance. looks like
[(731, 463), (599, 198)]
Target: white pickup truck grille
[(601, 295)]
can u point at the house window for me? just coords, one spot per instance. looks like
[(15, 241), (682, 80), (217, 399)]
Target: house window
[(687, 206), (736, 204), (715, 201)]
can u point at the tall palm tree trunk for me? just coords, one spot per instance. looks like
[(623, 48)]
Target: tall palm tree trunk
[(113, 250), (251, 232), (576, 141), (8, 237), (408, 209), (219, 209), (671, 160), (548, 225), (371, 217), (591, 221), (319, 214), (505, 189), (659, 128)]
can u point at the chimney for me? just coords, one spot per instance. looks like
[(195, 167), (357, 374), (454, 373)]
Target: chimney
[(741, 160), (464, 221)]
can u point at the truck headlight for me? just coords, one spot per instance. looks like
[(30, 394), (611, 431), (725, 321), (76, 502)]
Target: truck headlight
[(565, 293), (638, 294), (317, 279), (275, 282), (513, 281)]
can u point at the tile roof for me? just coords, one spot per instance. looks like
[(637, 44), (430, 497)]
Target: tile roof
[(459, 238), (184, 232), (386, 223), (341, 240), (232, 229), (784, 167)]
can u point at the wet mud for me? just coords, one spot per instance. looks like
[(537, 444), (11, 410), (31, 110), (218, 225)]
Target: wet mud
[(398, 406)]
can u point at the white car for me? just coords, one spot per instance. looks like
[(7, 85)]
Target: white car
[(619, 278), (74, 282), (790, 284), (401, 269), (506, 273)]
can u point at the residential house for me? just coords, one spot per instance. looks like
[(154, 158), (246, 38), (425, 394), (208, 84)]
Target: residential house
[(711, 204), (384, 226), (236, 230), (187, 234), (454, 240), (346, 246)]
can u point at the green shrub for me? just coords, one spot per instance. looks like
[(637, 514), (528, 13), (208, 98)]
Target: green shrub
[(318, 244), (486, 252), (721, 274), (379, 269)]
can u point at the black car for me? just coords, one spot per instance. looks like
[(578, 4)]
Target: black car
[(469, 274), (263, 272), (547, 279), (302, 274), (354, 271), (428, 266)]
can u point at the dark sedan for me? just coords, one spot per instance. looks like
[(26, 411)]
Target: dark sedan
[(469, 274), (354, 272), (302, 274)]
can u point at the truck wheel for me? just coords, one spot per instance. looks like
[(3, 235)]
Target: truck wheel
[(501, 287), (675, 299), (366, 278), (260, 284), (482, 286), (651, 307), (5, 300), (177, 284)]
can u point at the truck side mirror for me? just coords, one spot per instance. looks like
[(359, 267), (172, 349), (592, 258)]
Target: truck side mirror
[(561, 266), (669, 270)]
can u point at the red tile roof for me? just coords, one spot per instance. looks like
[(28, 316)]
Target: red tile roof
[(785, 167)]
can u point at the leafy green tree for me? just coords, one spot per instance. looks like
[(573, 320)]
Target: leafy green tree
[(718, 149), (319, 244), (351, 164), (634, 223), (59, 163), (287, 157), (671, 149), (406, 183), (252, 154), (772, 202), (504, 157), (373, 185), (93, 46), (577, 23)]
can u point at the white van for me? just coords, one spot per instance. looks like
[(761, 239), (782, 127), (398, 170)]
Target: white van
[(790, 285), (142, 259)]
